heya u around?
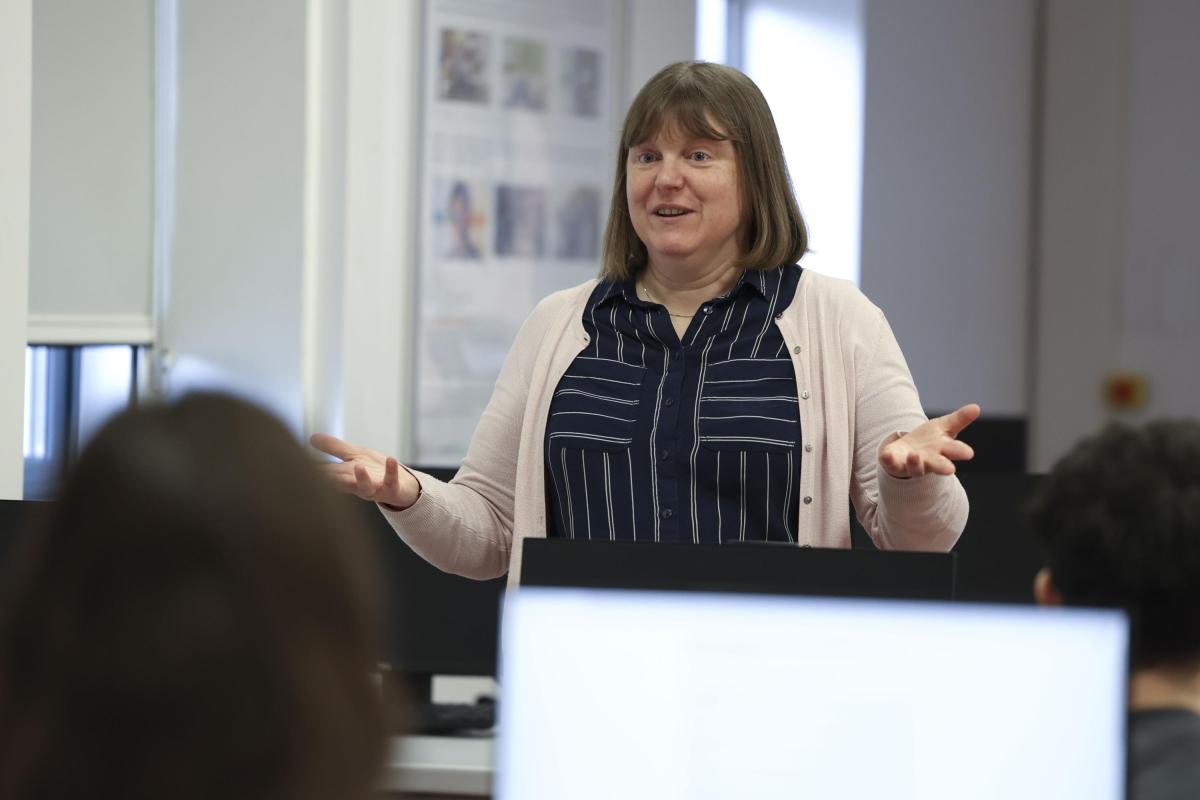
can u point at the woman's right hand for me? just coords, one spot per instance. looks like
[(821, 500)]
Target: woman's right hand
[(367, 473)]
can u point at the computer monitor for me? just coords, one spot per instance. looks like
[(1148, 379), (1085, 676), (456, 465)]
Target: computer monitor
[(998, 554), (609, 693), (436, 623), (774, 567)]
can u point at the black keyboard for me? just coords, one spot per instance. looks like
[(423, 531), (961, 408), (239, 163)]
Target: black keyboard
[(451, 718)]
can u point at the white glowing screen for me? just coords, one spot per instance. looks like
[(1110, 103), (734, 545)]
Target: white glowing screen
[(662, 695)]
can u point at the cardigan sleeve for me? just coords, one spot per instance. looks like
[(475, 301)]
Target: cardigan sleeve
[(465, 526), (923, 513)]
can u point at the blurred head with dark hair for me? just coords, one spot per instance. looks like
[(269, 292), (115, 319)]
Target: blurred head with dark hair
[(197, 620), (1119, 517)]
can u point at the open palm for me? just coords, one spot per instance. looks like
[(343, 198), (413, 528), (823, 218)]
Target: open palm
[(931, 447), (367, 473)]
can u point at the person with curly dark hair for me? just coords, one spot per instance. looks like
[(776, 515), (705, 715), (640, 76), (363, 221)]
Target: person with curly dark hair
[(1119, 518), (196, 618)]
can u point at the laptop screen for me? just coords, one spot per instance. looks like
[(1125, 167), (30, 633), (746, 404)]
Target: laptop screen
[(688, 695)]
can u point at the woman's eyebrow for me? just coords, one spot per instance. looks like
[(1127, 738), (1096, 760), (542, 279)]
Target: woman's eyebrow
[(689, 140), (707, 141)]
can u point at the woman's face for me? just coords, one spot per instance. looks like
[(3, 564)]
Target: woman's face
[(684, 199)]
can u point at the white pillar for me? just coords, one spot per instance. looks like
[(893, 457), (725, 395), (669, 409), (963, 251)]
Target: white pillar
[(16, 59)]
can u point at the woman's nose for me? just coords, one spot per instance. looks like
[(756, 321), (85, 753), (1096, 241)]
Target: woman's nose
[(670, 176)]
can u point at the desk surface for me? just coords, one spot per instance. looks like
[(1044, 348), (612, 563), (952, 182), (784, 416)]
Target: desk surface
[(458, 766)]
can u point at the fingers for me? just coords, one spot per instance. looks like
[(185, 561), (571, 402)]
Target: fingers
[(364, 487), (958, 451), (391, 477), (955, 421), (334, 446), (389, 490), (891, 461), (916, 463), (939, 465)]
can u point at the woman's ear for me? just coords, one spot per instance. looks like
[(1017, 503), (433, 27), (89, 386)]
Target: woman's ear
[(1044, 590)]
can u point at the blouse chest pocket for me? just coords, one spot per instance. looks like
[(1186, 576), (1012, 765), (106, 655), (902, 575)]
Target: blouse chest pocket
[(595, 406), (749, 404)]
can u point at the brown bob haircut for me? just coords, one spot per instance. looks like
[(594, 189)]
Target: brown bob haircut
[(196, 616), (712, 101)]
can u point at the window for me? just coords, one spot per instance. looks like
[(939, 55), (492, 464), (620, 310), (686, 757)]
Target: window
[(807, 56), (70, 392)]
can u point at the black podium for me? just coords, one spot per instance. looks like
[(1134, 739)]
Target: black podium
[(758, 568)]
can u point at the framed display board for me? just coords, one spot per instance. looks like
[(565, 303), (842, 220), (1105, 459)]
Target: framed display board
[(518, 139)]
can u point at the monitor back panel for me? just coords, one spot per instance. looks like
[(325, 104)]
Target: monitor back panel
[(437, 623), (767, 568), (998, 554)]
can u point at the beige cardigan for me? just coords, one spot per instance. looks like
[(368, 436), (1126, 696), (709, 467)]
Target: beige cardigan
[(855, 393)]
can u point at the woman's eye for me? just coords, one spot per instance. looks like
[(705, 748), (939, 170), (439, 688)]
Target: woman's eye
[(700, 155), (644, 158)]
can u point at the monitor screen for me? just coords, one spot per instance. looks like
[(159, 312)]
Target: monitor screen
[(634, 694)]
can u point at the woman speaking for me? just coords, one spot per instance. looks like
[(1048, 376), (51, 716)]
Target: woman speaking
[(705, 388)]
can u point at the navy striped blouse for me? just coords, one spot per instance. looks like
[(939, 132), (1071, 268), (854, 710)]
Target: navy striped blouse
[(651, 438)]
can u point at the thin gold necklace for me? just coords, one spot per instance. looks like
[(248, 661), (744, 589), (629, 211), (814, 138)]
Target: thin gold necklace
[(653, 299)]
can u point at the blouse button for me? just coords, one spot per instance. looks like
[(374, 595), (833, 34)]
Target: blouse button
[(808, 448), (796, 349), (805, 395), (807, 500)]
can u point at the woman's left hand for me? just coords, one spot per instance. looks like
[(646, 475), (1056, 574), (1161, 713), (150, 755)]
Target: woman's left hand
[(932, 446)]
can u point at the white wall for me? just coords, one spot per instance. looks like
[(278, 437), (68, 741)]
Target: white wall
[(380, 216), (324, 217), (91, 202), (1160, 273), (1120, 274), (233, 305), (656, 34), (16, 60), (946, 191), (295, 220)]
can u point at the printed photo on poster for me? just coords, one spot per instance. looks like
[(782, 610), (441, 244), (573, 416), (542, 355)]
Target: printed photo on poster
[(581, 81), (520, 221), (525, 80), (577, 223), (463, 64), (460, 218)]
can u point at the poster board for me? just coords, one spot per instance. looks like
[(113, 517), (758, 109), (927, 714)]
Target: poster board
[(519, 134)]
